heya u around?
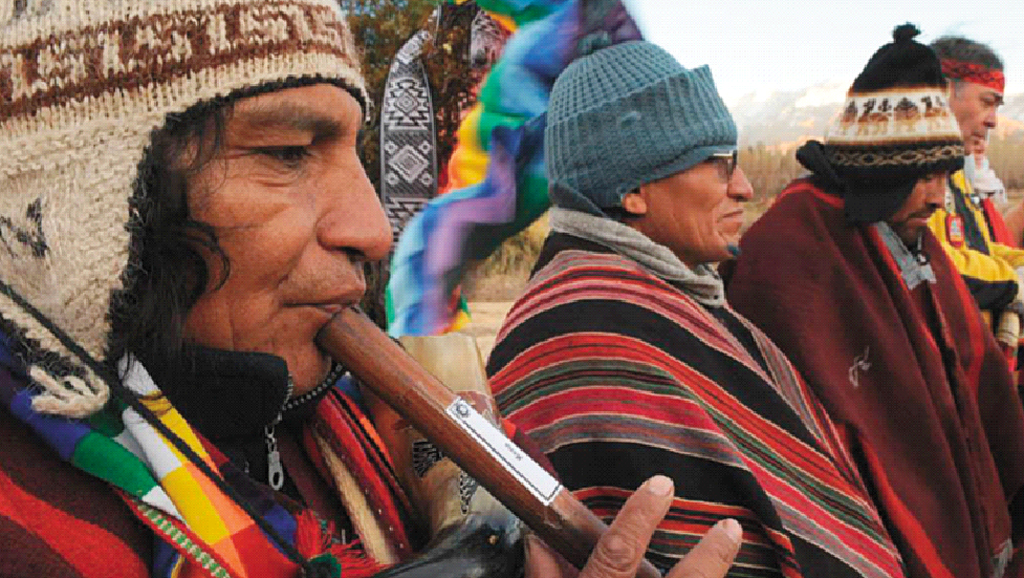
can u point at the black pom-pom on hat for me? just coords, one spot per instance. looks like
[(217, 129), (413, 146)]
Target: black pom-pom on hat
[(903, 62), (904, 32)]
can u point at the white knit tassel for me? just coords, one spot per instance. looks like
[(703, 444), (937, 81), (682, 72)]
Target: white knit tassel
[(69, 396), (135, 376)]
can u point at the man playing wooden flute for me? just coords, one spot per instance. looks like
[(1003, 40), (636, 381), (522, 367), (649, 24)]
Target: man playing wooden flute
[(183, 209)]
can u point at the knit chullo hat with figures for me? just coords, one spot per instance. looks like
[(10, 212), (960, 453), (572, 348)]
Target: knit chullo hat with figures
[(83, 86), (895, 128), (626, 115)]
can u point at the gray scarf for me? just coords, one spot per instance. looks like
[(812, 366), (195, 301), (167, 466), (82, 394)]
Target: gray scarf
[(913, 266), (702, 283)]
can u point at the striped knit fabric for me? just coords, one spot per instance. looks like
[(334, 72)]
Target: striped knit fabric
[(618, 375)]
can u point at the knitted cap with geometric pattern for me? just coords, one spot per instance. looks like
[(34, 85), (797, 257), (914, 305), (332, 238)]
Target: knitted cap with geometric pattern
[(626, 115), (83, 86), (896, 127)]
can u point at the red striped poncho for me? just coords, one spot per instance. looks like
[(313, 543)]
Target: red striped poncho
[(619, 375)]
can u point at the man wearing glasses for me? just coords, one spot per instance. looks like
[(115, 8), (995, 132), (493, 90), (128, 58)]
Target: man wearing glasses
[(622, 360), (845, 276)]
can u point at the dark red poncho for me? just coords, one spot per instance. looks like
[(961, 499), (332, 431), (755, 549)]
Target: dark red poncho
[(913, 379)]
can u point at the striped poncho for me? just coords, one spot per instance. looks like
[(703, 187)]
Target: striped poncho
[(619, 375)]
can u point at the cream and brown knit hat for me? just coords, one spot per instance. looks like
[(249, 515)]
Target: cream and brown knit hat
[(83, 85), (895, 128)]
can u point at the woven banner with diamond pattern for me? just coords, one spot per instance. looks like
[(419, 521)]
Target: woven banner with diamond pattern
[(408, 149)]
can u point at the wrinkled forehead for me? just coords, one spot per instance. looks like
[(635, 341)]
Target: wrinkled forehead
[(981, 92), (322, 109)]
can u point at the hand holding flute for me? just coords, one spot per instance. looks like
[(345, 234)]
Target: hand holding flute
[(543, 504), (619, 551)]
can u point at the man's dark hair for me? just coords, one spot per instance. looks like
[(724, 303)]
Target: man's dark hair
[(965, 50), (167, 269)]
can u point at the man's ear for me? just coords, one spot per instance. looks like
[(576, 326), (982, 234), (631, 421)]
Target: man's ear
[(635, 201), (953, 90)]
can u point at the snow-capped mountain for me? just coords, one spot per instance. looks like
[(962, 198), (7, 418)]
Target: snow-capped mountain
[(794, 116)]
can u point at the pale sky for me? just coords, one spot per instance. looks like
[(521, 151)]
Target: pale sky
[(775, 45)]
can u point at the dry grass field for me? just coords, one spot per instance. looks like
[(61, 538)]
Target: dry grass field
[(1015, 196), (487, 317)]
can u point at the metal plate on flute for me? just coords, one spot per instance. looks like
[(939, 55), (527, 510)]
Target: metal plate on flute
[(530, 474)]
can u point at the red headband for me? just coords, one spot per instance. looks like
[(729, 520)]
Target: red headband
[(975, 73)]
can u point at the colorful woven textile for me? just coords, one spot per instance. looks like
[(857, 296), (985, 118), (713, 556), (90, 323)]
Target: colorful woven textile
[(504, 133), (913, 379), (58, 521), (619, 375), (202, 531)]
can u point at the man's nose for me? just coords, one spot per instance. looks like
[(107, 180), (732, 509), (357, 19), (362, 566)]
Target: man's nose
[(992, 119), (739, 187), (935, 194), (355, 221)]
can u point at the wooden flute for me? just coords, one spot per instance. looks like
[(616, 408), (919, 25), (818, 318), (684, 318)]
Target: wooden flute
[(472, 442)]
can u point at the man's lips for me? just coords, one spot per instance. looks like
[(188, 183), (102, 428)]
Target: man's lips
[(919, 219), (733, 219), (331, 308)]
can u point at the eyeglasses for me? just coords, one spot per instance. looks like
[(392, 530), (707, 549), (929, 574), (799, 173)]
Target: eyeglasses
[(726, 163)]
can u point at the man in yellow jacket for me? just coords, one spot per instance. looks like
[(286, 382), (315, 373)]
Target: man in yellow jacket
[(969, 227)]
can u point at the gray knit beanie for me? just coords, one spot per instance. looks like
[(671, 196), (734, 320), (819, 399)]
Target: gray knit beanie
[(627, 115)]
